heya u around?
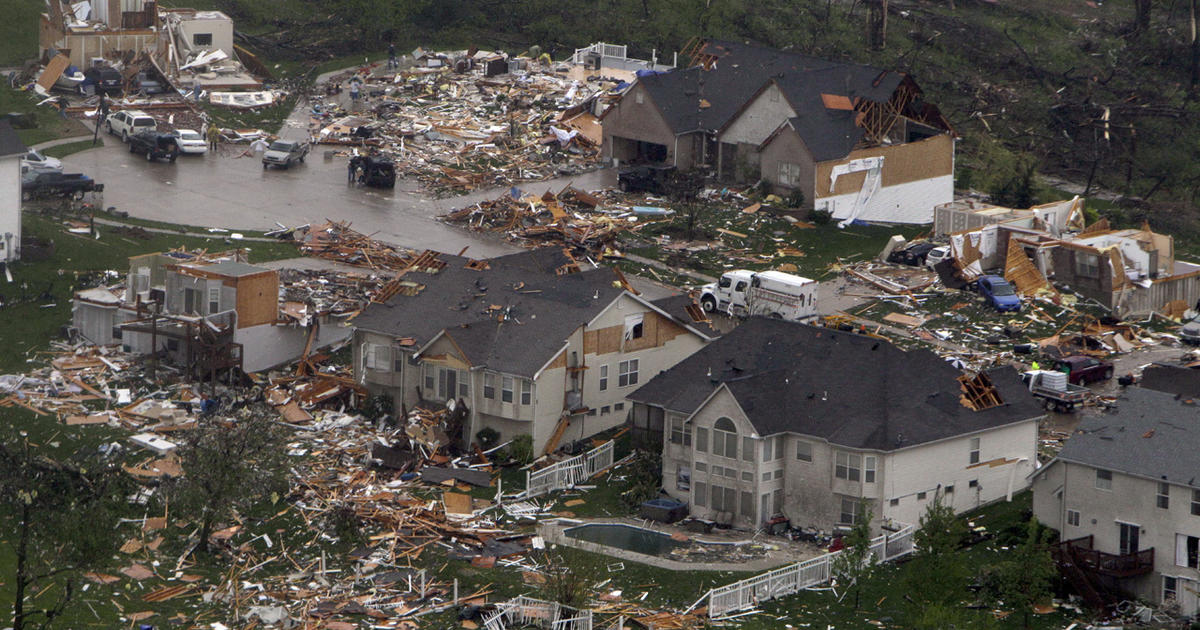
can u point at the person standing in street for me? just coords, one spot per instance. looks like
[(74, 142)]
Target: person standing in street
[(214, 135)]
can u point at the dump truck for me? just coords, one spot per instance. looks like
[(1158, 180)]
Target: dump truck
[(770, 293), (1056, 392)]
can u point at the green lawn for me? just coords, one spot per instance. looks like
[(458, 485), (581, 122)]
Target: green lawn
[(19, 31), (63, 150), (49, 125)]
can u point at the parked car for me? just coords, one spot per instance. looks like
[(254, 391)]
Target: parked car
[(128, 122), (36, 160), (154, 145), (284, 153), (651, 179), (106, 79), (190, 141), (937, 255), (999, 293), (1190, 333), (49, 184), (1082, 370), (912, 254)]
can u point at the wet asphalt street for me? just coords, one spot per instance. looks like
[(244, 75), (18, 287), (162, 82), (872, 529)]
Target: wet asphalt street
[(228, 191)]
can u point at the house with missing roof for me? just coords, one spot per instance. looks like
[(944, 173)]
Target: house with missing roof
[(858, 141), (11, 152), (528, 342), (1124, 495), (208, 314), (779, 418)]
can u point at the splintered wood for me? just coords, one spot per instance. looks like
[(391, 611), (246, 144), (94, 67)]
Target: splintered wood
[(979, 392)]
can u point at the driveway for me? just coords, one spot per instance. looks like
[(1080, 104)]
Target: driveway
[(227, 190)]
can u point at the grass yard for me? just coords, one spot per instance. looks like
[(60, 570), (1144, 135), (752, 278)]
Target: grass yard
[(49, 125), (63, 150), (19, 31)]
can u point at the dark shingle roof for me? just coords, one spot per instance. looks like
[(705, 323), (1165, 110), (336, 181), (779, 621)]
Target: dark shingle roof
[(742, 70), (1172, 379), (852, 390), (10, 143), (1149, 433), (542, 308), (828, 134)]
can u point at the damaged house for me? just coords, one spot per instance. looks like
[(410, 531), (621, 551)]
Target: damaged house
[(1125, 498), (207, 314), (530, 344), (1131, 272), (779, 418), (857, 141), (97, 29)]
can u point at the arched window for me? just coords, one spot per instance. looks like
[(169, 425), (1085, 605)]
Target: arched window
[(725, 438)]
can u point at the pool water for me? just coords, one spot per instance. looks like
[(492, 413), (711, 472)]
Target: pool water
[(626, 537)]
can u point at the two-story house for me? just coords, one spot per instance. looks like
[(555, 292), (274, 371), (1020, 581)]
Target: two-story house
[(207, 313), (528, 346), (1124, 494), (779, 418)]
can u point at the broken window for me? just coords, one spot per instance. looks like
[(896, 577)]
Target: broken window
[(526, 392), (202, 39), (974, 454), (1073, 518), (1104, 482), (603, 377), (848, 466), (1164, 495), (725, 438), (1170, 588), (506, 389), (633, 326), (804, 451), (627, 373), (683, 478), (1187, 551), (489, 385), (1087, 265)]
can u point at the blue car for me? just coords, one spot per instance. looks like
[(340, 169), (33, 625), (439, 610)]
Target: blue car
[(999, 293)]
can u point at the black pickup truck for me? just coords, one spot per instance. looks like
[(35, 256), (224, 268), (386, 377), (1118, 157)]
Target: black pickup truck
[(51, 184), (154, 145)]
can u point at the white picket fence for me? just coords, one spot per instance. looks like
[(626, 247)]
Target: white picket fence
[(522, 612), (746, 594), (569, 472)]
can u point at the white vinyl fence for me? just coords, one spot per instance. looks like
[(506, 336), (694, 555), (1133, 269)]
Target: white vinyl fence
[(522, 612), (747, 594), (569, 472)]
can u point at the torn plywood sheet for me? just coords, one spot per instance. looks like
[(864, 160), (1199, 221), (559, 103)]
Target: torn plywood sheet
[(434, 474), (1023, 275), (53, 71)]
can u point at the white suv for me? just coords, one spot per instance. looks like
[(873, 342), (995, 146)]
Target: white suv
[(129, 122)]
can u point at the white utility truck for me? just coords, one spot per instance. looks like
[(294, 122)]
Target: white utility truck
[(770, 293)]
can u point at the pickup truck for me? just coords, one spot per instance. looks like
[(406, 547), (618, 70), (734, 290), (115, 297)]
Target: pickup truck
[(1056, 393), (284, 153), (50, 184), (771, 293)]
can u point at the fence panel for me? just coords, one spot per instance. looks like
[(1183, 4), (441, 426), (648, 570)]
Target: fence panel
[(794, 578), (569, 472)]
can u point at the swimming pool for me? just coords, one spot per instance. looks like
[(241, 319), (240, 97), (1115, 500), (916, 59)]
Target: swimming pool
[(627, 537)]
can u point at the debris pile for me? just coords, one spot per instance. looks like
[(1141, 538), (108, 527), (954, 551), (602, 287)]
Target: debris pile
[(578, 220), (475, 120)]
